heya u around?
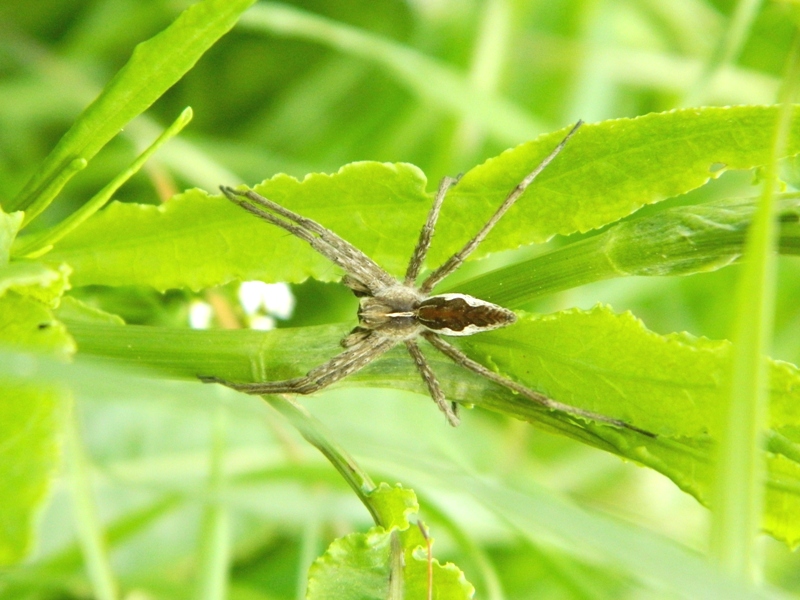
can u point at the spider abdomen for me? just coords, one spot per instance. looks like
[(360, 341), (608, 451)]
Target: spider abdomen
[(459, 314)]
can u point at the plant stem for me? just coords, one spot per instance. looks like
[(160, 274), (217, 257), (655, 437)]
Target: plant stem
[(316, 434)]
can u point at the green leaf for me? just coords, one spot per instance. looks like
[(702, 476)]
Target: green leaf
[(196, 241), (358, 566), (153, 68), (353, 567), (611, 364), (606, 172), (31, 412), (394, 504), (609, 170), (30, 421), (27, 323)]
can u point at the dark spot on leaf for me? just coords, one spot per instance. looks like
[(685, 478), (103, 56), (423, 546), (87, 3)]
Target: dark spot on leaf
[(44, 325)]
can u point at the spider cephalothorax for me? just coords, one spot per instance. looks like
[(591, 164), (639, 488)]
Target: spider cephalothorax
[(392, 312)]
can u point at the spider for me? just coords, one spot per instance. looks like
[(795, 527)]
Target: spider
[(392, 312)]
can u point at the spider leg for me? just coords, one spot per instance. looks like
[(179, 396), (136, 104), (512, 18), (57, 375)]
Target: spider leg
[(450, 410), (459, 257), (353, 359), (425, 236), (323, 240), (463, 360)]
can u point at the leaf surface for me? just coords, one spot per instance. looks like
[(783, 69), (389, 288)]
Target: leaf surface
[(31, 416), (358, 566), (606, 172), (30, 422)]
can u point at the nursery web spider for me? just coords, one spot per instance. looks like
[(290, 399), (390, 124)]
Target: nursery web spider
[(393, 312)]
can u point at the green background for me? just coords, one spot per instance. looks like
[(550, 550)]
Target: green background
[(307, 88)]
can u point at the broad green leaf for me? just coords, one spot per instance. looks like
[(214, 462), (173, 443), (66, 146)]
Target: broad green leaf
[(355, 566), (358, 566), (31, 411), (30, 421), (27, 323), (608, 171), (9, 226), (611, 364), (155, 66), (209, 240)]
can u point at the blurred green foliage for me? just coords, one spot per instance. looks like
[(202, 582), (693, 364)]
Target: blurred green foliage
[(306, 88)]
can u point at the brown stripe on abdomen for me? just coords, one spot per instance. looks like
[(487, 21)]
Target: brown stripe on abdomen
[(459, 314)]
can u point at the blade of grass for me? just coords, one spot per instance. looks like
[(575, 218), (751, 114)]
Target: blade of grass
[(310, 543), (76, 88), (87, 521), (656, 562), (728, 48), (739, 484), (424, 76), (215, 539), (489, 59), (155, 66), (36, 245)]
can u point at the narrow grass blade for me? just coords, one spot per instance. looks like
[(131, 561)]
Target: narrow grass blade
[(740, 472), (425, 76), (87, 521), (41, 243), (152, 69)]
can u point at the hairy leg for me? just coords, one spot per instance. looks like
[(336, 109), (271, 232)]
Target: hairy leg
[(450, 409), (426, 235), (353, 359), (459, 257), (323, 240), (463, 360)]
